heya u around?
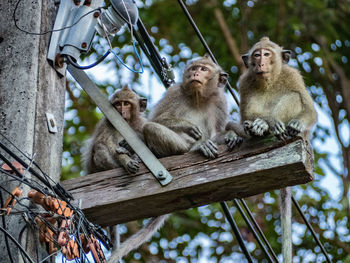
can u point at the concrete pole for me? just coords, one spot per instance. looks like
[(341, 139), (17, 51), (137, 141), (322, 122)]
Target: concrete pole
[(29, 88)]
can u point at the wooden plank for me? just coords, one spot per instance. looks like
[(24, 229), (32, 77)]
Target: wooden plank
[(258, 166)]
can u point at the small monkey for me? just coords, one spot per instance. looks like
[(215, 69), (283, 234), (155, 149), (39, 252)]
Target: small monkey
[(191, 117), (192, 114), (273, 95), (105, 149)]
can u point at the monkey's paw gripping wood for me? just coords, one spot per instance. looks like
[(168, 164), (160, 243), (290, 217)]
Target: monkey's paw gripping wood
[(257, 166)]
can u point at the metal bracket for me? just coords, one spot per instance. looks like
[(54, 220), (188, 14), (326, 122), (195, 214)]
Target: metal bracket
[(51, 123), (148, 158)]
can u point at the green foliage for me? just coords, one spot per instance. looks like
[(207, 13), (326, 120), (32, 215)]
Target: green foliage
[(317, 32)]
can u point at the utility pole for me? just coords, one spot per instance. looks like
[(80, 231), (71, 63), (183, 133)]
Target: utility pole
[(29, 89)]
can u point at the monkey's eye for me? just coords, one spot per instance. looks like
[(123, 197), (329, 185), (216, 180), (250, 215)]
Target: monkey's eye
[(267, 54), (117, 104), (194, 68), (256, 55), (126, 103), (204, 68)]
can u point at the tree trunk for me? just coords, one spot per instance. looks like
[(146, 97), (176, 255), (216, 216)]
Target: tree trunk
[(29, 88)]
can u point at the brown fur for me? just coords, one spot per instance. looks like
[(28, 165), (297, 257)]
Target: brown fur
[(191, 114), (277, 104), (103, 151)]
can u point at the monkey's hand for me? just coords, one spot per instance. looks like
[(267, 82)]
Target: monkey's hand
[(294, 127), (194, 131), (232, 140), (132, 166), (258, 127), (125, 145), (209, 149), (279, 130), (122, 150)]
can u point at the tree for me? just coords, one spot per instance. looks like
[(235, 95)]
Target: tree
[(318, 34)]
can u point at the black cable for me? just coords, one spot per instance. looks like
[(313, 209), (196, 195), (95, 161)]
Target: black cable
[(18, 244), (236, 231), (147, 46), (259, 229), (28, 158), (25, 181), (245, 218), (5, 227), (76, 65), (311, 230), (204, 43), (30, 169), (49, 31)]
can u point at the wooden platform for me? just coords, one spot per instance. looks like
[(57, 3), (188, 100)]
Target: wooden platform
[(257, 166)]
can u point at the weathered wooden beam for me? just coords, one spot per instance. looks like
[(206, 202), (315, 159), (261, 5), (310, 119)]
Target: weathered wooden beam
[(257, 166)]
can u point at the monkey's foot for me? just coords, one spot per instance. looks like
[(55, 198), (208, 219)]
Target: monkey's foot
[(279, 130), (232, 140), (294, 127), (132, 166), (209, 149), (258, 127)]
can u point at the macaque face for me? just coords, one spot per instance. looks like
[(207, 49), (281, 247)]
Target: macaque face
[(124, 108), (198, 75), (262, 62)]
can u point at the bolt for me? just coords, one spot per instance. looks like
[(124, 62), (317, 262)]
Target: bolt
[(161, 175), (59, 60), (52, 122), (84, 45)]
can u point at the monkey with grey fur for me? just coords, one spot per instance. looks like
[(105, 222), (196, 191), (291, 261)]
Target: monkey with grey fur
[(191, 117), (105, 149)]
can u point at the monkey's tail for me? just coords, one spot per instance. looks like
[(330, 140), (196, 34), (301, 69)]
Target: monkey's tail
[(136, 240)]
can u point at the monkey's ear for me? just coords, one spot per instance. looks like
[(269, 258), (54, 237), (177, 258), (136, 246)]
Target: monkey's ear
[(286, 54), (223, 79), (143, 104), (245, 60)]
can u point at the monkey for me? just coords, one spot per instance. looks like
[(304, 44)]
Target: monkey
[(106, 149), (192, 114), (274, 99), (190, 117)]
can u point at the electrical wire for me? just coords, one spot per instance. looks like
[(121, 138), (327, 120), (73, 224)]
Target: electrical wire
[(201, 38), (17, 244), (5, 227), (235, 230), (133, 43), (78, 221), (49, 31), (256, 236), (76, 65), (311, 230)]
